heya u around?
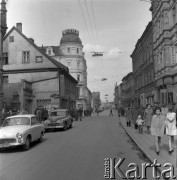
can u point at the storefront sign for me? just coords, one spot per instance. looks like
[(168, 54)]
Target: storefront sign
[(43, 102)]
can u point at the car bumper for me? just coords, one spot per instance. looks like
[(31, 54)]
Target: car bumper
[(54, 127), (8, 145)]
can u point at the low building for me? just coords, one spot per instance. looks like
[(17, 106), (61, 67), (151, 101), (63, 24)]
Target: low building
[(32, 78)]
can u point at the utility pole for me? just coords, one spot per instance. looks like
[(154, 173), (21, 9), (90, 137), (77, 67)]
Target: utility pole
[(3, 29)]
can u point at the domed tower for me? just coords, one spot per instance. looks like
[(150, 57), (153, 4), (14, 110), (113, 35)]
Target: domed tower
[(72, 56)]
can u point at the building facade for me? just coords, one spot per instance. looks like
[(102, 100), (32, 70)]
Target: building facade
[(143, 69), (118, 96), (96, 100), (70, 53), (32, 78), (164, 18), (128, 90)]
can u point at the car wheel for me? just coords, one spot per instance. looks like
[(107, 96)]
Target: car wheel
[(26, 146), (71, 125), (65, 127), (41, 137)]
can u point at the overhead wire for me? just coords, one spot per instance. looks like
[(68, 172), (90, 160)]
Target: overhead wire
[(88, 14), (95, 24), (86, 24)]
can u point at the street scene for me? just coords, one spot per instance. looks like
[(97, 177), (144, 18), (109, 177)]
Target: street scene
[(88, 89)]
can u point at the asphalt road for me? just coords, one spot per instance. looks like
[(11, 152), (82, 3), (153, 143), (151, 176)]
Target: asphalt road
[(75, 154)]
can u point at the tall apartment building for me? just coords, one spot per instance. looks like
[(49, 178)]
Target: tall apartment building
[(164, 19)]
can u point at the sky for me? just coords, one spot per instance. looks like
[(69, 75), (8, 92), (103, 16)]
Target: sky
[(112, 26)]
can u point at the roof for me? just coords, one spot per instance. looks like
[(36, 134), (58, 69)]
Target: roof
[(58, 64), (56, 49), (22, 115), (73, 38)]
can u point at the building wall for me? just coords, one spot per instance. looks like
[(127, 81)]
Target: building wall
[(15, 50), (143, 68), (50, 84)]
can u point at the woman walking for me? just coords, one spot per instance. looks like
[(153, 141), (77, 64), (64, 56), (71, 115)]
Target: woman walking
[(157, 128), (170, 124), (148, 113)]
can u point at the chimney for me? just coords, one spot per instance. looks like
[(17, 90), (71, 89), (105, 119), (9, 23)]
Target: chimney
[(19, 27), (31, 40)]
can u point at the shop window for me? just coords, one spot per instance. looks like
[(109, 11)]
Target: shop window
[(5, 79), (5, 59)]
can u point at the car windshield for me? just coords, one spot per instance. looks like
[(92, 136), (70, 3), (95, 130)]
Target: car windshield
[(16, 121), (58, 113)]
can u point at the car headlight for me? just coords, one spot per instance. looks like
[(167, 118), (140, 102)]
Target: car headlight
[(19, 135), (59, 121), (47, 122)]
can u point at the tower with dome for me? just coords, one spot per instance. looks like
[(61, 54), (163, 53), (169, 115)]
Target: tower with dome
[(70, 53)]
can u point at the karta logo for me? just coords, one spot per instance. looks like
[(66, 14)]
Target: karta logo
[(113, 167)]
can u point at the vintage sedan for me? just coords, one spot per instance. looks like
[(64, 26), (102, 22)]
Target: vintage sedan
[(59, 119), (20, 130)]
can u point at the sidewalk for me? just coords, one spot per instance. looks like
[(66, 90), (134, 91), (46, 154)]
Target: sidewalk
[(146, 144)]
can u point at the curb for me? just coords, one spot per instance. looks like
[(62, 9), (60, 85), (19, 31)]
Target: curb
[(148, 156)]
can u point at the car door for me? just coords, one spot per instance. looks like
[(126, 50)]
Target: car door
[(68, 118), (34, 128), (39, 128)]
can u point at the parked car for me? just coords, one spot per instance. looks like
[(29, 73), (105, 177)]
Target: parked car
[(59, 119), (20, 130)]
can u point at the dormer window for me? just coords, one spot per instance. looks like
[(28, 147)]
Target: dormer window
[(49, 51)]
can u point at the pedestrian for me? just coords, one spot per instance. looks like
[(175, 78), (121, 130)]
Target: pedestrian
[(140, 122), (157, 128), (76, 114), (128, 114), (170, 128), (111, 114), (97, 111), (80, 114), (148, 113)]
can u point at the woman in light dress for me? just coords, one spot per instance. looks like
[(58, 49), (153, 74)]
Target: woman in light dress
[(170, 128), (157, 128)]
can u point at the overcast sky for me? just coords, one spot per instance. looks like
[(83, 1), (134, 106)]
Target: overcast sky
[(119, 24)]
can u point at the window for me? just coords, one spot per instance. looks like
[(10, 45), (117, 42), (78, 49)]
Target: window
[(78, 65), (39, 59), (34, 121), (49, 51), (11, 38), (174, 15), (5, 58), (5, 79), (77, 50), (26, 57), (68, 64), (78, 77), (68, 50)]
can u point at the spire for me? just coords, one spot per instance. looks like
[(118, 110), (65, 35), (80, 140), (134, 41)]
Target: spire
[(3, 17)]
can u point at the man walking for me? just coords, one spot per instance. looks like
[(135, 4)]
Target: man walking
[(111, 114)]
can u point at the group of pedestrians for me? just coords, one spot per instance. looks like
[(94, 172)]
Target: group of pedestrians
[(157, 120), (76, 114)]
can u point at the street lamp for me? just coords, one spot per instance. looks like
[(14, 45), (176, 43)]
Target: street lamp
[(3, 29)]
